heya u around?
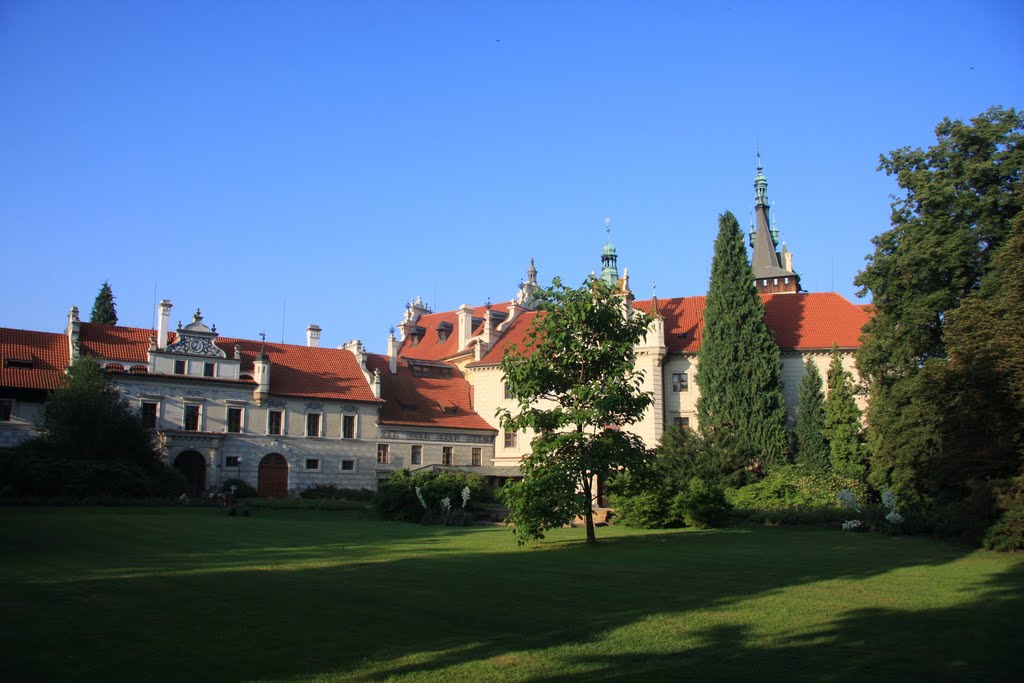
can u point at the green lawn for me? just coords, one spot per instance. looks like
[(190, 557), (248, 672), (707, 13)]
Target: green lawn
[(194, 595)]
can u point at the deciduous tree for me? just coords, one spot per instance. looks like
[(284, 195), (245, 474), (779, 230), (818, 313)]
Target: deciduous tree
[(578, 390)]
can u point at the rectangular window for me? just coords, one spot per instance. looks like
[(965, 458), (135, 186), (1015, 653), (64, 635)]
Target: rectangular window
[(208, 369), (508, 391), (476, 456), (234, 420), (149, 415), (232, 461), (313, 424), (680, 382), (273, 422), (683, 422), (179, 367), (383, 454), (312, 463), (416, 456), (191, 418), (6, 409), (447, 455), (511, 439), (348, 427), (348, 465)]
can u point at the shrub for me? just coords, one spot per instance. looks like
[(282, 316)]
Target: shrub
[(1008, 531), (332, 492), (242, 488), (789, 486), (647, 510), (396, 496), (700, 505)]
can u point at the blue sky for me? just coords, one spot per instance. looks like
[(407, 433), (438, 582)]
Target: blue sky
[(285, 163)]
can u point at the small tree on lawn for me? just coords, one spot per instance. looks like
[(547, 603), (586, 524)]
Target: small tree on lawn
[(576, 386), (103, 309), (811, 445), (847, 451)]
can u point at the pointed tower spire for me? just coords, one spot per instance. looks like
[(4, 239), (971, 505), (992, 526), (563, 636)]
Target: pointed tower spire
[(771, 274), (609, 259)]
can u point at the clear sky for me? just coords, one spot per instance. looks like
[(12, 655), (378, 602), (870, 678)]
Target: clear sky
[(285, 163)]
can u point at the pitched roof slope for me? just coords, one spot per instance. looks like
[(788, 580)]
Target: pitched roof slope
[(514, 334), (47, 352), (425, 401), (431, 346), (799, 322), (306, 371), (111, 342)]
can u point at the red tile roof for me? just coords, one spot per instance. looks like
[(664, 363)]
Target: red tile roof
[(425, 401), (47, 351), (514, 334), (431, 347), (800, 322), (306, 371), (301, 371), (111, 342)]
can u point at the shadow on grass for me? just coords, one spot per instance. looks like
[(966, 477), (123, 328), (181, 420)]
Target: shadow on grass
[(384, 601)]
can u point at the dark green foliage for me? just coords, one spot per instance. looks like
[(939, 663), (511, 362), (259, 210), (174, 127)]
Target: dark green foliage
[(942, 354), (843, 430), (242, 488), (794, 486), (93, 445), (574, 377), (103, 310), (701, 505), (332, 492), (396, 496), (1008, 531), (645, 497), (809, 431), (739, 369)]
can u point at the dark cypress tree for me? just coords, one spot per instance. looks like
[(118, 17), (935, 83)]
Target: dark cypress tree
[(811, 446), (847, 451), (739, 371), (103, 310)]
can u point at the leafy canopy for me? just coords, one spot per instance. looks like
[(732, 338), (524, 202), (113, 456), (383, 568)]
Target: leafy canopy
[(103, 310), (576, 385), (739, 370), (811, 446)]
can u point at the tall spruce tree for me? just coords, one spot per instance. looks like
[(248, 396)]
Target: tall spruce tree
[(103, 309), (843, 430), (811, 446), (739, 370)]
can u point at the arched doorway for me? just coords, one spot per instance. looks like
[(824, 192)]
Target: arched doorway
[(273, 476), (193, 465)]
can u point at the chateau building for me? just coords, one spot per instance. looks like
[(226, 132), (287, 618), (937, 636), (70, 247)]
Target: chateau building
[(286, 417)]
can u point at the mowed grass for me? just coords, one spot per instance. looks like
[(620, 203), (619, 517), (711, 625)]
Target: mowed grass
[(194, 595)]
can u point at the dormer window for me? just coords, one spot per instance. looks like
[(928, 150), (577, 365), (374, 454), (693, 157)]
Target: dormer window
[(21, 363), (444, 330)]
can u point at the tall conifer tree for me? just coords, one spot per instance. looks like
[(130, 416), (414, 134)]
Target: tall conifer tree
[(739, 371), (103, 310), (811, 446), (847, 451)]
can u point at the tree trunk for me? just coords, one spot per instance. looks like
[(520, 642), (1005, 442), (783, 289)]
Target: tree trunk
[(588, 513)]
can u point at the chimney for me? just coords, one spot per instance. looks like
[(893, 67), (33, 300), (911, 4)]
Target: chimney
[(163, 321), (465, 317), (376, 383), (392, 352), (73, 332), (313, 336)]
